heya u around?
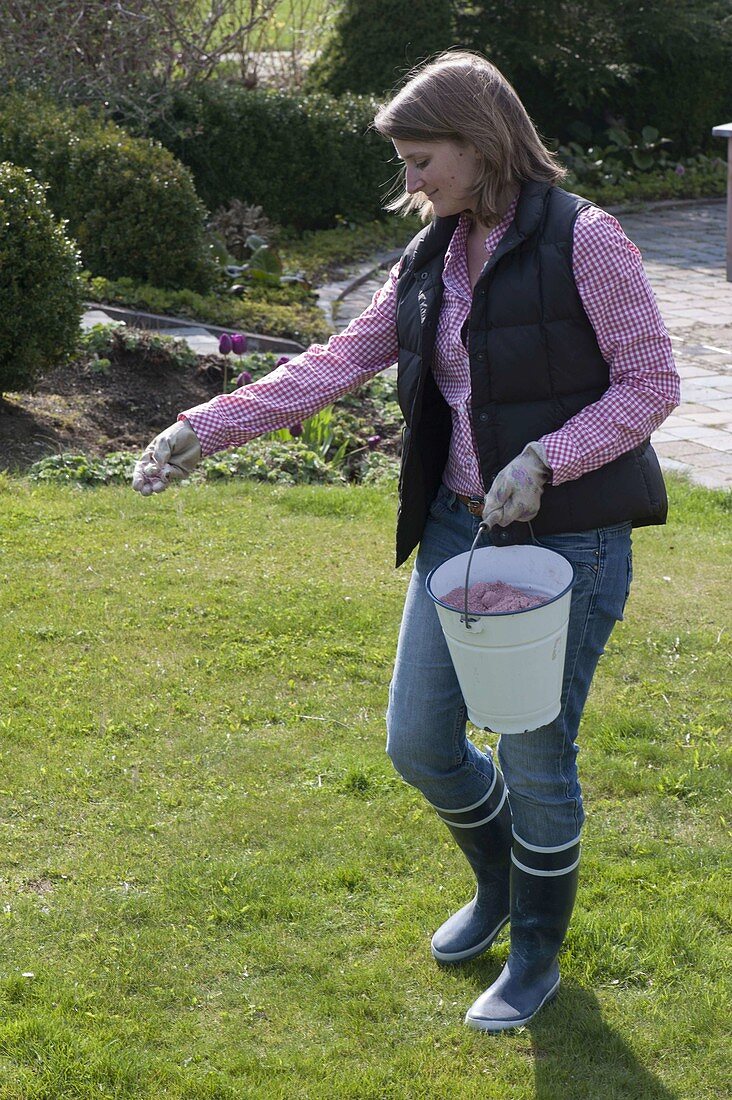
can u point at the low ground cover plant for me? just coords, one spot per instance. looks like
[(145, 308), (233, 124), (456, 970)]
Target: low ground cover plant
[(215, 886), (620, 166), (110, 344)]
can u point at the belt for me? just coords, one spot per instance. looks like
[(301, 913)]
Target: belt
[(475, 504)]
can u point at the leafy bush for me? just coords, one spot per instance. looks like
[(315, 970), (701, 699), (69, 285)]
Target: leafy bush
[(237, 223), (682, 80), (40, 289), (306, 160), (130, 205), (127, 54), (667, 63), (696, 181), (273, 311), (374, 42)]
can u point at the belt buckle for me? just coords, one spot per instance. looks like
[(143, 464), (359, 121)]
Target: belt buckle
[(476, 506)]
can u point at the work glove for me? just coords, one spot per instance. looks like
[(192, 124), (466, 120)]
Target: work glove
[(516, 491), (173, 454)]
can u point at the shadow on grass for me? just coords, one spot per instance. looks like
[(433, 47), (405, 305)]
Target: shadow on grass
[(578, 1056)]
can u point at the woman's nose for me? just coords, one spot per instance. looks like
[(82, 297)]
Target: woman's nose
[(414, 181)]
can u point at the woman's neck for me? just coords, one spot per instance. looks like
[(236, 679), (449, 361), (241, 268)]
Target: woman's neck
[(482, 227)]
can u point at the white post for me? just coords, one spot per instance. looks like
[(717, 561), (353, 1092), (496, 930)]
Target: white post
[(726, 132)]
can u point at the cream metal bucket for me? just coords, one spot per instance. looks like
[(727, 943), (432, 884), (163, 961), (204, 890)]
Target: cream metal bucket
[(509, 664)]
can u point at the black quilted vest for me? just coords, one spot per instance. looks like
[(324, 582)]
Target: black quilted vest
[(534, 363)]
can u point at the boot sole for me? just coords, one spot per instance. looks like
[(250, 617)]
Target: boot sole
[(479, 1024), (452, 957)]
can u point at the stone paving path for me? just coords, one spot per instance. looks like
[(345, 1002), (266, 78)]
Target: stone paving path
[(684, 254)]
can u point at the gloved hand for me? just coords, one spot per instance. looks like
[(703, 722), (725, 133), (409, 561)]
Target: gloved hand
[(516, 491), (173, 454)]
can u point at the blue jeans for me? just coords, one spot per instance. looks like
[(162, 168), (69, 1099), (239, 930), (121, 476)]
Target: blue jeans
[(426, 719)]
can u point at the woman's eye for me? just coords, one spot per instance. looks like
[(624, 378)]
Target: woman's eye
[(422, 166)]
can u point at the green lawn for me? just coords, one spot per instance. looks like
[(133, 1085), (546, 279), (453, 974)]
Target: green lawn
[(215, 886)]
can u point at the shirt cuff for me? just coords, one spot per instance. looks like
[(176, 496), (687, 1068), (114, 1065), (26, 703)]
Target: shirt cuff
[(562, 457), (211, 429)]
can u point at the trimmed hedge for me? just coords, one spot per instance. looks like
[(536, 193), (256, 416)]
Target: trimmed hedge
[(301, 320), (308, 161), (130, 205), (40, 289)]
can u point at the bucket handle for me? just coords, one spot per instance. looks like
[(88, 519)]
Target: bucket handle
[(466, 617), (481, 529)]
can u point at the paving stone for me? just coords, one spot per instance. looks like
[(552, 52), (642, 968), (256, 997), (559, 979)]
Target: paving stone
[(716, 477), (715, 417), (708, 459), (692, 371), (700, 394), (682, 448), (94, 317), (202, 345), (713, 437)]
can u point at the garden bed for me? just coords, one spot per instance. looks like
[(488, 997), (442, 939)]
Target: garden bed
[(81, 408), (126, 386)]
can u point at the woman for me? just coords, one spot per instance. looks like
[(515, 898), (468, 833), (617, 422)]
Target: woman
[(533, 367)]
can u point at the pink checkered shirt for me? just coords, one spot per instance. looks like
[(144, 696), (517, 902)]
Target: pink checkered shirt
[(618, 300)]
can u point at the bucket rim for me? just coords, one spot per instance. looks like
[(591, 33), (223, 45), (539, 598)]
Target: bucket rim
[(500, 614)]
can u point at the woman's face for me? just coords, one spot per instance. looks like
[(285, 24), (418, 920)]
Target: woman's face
[(444, 171)]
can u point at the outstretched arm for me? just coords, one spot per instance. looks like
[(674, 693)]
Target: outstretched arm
[(305, 384), (290, 393)]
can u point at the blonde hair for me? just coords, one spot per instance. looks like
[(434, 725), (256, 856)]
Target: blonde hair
[(461, 97)]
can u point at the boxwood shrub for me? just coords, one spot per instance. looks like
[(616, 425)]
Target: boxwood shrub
[(40, 289), (309, 161), (130, 205)]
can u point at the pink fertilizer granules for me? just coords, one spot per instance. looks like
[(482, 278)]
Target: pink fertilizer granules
[(492, 597)]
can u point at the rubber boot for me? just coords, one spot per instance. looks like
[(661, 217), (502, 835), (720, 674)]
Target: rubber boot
[(543, 889), (483, 832)]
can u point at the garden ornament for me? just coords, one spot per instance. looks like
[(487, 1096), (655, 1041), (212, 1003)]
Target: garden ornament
[(516, 491), (174, 453)]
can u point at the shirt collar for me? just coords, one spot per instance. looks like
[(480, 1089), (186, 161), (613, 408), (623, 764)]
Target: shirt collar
[(455, 271), (494, 237)]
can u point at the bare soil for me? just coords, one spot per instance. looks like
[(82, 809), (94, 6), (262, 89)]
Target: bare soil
[(82, 410)]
